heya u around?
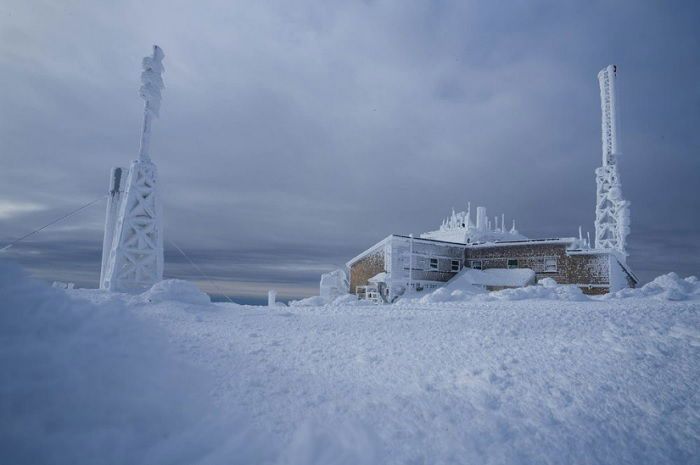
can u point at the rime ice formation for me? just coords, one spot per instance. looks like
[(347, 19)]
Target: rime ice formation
[(334, 284), (152, 83), (460, 228), (133, 228), (116, 189), (612, 211)]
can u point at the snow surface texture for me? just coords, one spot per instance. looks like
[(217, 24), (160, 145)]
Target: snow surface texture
[(95, 384), (173, 290), (531, 381)]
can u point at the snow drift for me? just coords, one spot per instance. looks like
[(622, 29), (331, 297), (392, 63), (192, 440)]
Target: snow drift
[(546, 289), (665, 287), (83, 383), (320, 301), (469, 284), (174, 290)]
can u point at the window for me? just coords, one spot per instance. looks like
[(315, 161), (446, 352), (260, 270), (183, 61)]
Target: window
[(550, 265), (455, 265), (433, 263), (476, 264), (512, 263)]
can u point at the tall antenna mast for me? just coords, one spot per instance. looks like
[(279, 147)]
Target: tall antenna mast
[(133, 245), (612, 211), (152, 83)]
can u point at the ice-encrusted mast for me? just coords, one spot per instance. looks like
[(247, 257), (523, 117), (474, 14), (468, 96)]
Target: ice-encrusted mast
[(612, 211), (133, 228)]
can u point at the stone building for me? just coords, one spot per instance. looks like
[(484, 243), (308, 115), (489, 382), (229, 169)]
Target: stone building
[(385, 272)]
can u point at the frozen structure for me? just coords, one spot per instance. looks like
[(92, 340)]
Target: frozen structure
[(459, 227), (333, 284), (612, 216), (402, 265), (132, 251)]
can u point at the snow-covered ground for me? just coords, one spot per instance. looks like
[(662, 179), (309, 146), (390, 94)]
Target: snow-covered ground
[(90, 377)]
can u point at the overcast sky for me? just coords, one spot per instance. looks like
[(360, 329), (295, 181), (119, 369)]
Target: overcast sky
[(295, 134)]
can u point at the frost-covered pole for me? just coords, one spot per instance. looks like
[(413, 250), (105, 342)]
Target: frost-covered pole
[(612, 211), (410, 261), (116, 191), (151, 85), (469, 215)]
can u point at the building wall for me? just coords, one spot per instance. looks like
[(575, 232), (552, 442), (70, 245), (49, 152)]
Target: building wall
[(424, 276), (591, 270), (365, 268), (431, 265)]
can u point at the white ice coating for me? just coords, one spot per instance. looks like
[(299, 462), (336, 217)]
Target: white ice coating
[(116, 190), (612, 211), (152, 83), (133, 244), (334, 284), (460, 228)]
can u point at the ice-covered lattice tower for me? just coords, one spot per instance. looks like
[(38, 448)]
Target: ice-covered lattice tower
[(133, 238), (612, 211)]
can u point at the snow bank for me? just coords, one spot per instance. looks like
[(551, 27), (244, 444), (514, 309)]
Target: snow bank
[(450, 294), (318, 301), (175, 290), (468, 286), (460, 288), (469, 283), (546, 289), (665, 287), (96, 384), (346, 300), (313, 301)]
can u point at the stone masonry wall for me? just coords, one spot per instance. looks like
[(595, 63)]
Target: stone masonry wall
[(584, 270), (365, 268)]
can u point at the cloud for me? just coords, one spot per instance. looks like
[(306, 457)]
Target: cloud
[(10, 209)]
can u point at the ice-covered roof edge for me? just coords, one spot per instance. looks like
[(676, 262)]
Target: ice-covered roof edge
[(367, 251), (387, 238)]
